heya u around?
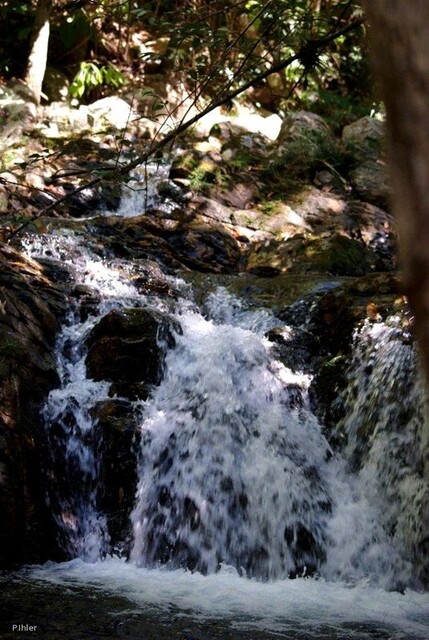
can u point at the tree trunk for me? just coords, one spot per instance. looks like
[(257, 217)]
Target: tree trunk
[(39, 49), (399, 35)]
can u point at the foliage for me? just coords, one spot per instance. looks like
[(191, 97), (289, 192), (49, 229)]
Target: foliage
[(242, 39), (276, 53), (205, 175), (91, 76)]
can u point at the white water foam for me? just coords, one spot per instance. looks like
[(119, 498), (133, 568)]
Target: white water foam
[(141, 191), (231, 471), (304, 605)]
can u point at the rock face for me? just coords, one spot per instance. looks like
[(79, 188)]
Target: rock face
[(30, 309), (335, 255)]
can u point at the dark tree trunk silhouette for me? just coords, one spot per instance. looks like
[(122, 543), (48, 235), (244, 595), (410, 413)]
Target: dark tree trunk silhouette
[(399, 36)]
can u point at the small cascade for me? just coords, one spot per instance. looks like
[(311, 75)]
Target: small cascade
[(73, 467), (384, 429), (70, 432), (142, 192), (233, 467)]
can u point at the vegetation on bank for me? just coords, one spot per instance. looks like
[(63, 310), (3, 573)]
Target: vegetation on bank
[(172, 63)]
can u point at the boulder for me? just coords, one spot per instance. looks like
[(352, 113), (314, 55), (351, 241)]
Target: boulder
[(110, 112), (333, 255), (371, 183), (206, 246), (127, 348), (303, 124), (364, 137)]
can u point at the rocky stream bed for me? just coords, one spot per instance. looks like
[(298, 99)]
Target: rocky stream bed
[(246, 287)]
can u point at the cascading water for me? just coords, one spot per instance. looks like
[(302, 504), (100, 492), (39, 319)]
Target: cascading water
[(142, 191), (73, 449), (73, 445), (236, 477), (386, 434), (234, 469), (233, 464)]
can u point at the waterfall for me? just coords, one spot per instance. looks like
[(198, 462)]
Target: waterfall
[(235, 476), (234, 468), (142, 191)]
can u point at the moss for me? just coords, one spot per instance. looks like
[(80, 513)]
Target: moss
[(206, 175), (11, 350), (338, 255)]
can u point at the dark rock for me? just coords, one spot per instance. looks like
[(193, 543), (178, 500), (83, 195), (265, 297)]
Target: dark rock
[(321, 339), (370, 181), (87, 202), (328, 383), (126, 347), (297, 348), (206, 248), (31, 307), (117, 432)]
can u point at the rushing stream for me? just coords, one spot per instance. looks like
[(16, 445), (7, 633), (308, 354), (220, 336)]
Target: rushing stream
[(238, 488)]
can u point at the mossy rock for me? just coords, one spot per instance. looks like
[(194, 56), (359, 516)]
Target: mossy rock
[(337, 255), (334, 255), (364, 138)]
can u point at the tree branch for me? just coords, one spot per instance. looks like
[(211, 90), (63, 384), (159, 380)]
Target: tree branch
[(302, 54)]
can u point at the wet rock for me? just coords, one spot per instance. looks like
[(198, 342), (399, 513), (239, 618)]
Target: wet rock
[(116, 431), (377, 229), (305, 550), (328, 383), (206, 247), (126, 347), (181, 239), (138, 238), (86, 202), (30, 309), (321, 335), (88, 300), (296, 348)]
